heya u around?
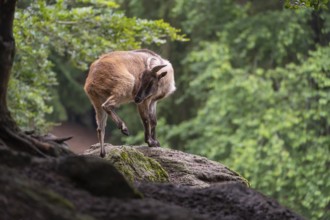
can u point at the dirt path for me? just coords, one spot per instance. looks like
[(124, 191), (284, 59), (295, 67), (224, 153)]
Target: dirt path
[(82, 139)]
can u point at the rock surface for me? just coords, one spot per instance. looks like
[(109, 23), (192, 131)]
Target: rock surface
[(183, 168), (132, 163), (96, 176), (191, 170), (226, 201), (88, 188), (39, 189)]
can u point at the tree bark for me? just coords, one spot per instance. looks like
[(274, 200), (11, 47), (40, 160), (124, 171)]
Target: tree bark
[(7, 53)]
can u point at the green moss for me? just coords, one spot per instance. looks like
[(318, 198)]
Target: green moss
[(242, 179), (48, 197), (135, 166), (31, 195)]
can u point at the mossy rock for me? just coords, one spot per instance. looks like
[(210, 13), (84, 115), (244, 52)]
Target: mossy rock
[(99, 177), (133, 164), (157, 164), (191, 170), (23, 198)]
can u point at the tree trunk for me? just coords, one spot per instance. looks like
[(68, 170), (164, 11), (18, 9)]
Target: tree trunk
[(7, 52), (10, 134)]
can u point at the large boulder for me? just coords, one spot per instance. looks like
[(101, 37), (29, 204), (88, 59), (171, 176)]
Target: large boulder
[(88, 187), (74, 187), (141, 163)]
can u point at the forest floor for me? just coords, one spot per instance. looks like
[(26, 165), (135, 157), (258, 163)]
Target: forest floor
[(83, 137)]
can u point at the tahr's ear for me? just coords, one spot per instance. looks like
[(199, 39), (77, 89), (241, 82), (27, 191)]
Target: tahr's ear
[(149, 61), (162, 75)]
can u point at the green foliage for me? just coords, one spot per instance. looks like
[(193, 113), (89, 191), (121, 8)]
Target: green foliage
[(31, 77), (68, 35), (316, 4), (255, 93), (277, 139), (267, 39), (199, 18)]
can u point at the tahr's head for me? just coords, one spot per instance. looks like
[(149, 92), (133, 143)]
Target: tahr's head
[(149, 82)]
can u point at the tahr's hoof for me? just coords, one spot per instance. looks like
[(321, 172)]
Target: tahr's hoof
[(154, 144), (125, 131), (102, 154)]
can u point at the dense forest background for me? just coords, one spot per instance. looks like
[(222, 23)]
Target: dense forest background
[(253, 81)]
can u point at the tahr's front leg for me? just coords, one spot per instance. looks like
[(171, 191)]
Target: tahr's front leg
[(153, 122), (145, 117)]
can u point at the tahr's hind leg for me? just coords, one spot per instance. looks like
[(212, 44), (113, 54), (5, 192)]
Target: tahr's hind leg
[(109, 107), (101, 120)]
